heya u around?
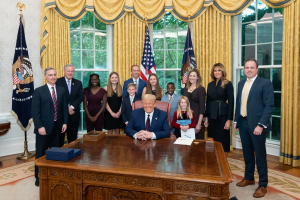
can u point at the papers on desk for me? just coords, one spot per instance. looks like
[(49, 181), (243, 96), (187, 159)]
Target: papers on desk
[(184, 141), (190, 133)]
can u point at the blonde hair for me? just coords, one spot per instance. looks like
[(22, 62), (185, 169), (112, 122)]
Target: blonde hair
[(131, 85), (189, 112), (110, 91), (199, 80), (149, 96), (157, 87), (223, 78)]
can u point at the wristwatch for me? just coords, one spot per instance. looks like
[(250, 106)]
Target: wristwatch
[(261, 126)]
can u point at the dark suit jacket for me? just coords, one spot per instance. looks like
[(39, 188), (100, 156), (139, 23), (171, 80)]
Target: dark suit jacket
[(260, 104), (127, 108), (159, 124), (142, 84), (42, 108), (76, 96)]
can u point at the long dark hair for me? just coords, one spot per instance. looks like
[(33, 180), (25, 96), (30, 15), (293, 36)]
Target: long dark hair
[(88, 88), (157, 87)]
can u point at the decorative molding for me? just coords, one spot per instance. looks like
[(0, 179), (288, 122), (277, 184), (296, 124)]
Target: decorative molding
[(59, 173), (192, 187)]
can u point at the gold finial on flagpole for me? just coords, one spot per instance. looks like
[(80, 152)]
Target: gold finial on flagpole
[(21, 6)]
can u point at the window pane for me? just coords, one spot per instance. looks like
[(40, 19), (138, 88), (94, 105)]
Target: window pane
[(87, 21), (178, 86), (159, 59), (170, 77), (100, 25), (158, 40), (180, 57), (83, 121), (87, 40), (277, 104), (181, 39), (100, 41), (248, 33), (264, 12), (278, 30), (103, 78), (161, 78), (182, 25), (276, 128), (159, 24), (171, 21), (77, 75), (264, 32), (86, 78), (171, 40), (264, 54), (242, 75), (277, 74), (75, 24), (278, 12), (171, 59), (75, 39), (249, 13), (101, 60), (75, 59), (87, 59), (264, 73), (247, 52), (277, 53)]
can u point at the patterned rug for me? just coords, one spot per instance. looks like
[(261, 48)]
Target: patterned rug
[(17, 182)]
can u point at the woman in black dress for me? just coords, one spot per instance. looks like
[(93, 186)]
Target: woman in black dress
[(196, 95), (153, 87), (112, 115), (218, 113)]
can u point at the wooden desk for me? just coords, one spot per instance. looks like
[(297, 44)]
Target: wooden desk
[(119, 167)]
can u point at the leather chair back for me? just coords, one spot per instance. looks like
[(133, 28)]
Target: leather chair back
[(164, 106)]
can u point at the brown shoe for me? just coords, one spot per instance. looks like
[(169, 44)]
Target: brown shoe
[(260, 192), (245, 182)]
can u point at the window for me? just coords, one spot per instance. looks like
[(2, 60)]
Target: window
[(169, 35), (90, 41), (260, 36)]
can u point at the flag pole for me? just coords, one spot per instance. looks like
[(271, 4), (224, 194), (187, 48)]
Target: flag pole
[(26, 154)]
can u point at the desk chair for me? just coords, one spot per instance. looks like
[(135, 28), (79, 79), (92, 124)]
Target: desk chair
[(164, 106)]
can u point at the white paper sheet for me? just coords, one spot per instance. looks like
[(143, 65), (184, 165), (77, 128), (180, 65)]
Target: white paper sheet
[(184, 141), (190, 133)]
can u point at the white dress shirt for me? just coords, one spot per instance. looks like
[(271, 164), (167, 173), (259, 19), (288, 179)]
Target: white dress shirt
[(170, 96), (146, 117), (250, 85)]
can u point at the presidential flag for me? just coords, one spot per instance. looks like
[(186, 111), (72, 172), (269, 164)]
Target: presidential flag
[(22, 82), (148, 66), (188, 60)]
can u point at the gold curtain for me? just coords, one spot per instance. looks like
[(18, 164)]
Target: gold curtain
[(233, 7), (212, 43), (278, 3), (57, 43), (129, 36), (290, 94)]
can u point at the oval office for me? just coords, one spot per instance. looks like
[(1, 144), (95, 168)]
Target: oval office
[(150, 99)]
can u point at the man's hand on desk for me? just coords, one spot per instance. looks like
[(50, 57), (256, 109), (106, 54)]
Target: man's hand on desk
[(144, 135)]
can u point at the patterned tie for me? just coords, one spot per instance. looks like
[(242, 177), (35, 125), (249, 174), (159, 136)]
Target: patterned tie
[(137, 86), (245, 98), (170, 99), (69, 86), (54, 103), (148, 123)]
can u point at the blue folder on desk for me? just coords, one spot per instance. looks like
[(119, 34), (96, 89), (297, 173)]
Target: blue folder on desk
[(61, 154)]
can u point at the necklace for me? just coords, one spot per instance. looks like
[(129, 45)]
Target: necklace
[(189, 90)]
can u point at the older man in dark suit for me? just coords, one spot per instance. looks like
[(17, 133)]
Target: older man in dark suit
[(50, 115), (148, 122), (254, 107), (74, 90)]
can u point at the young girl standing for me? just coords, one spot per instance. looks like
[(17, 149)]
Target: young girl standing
[(183, 112)]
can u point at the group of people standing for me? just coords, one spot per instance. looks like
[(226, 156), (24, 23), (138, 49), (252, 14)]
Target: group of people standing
[(55, 109)]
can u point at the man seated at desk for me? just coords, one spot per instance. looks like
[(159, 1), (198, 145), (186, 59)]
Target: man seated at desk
[(148, 122)]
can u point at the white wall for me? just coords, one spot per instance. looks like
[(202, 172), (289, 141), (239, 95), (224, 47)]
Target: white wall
[(13, 141)]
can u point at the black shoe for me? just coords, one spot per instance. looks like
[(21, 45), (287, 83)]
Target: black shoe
[(233, 198), (37, 182)]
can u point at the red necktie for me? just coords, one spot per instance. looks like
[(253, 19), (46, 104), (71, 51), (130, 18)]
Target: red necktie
[(148, 123), (54, 103)]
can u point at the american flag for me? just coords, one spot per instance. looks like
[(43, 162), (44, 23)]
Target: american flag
[(148, 66), (188, 60)]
